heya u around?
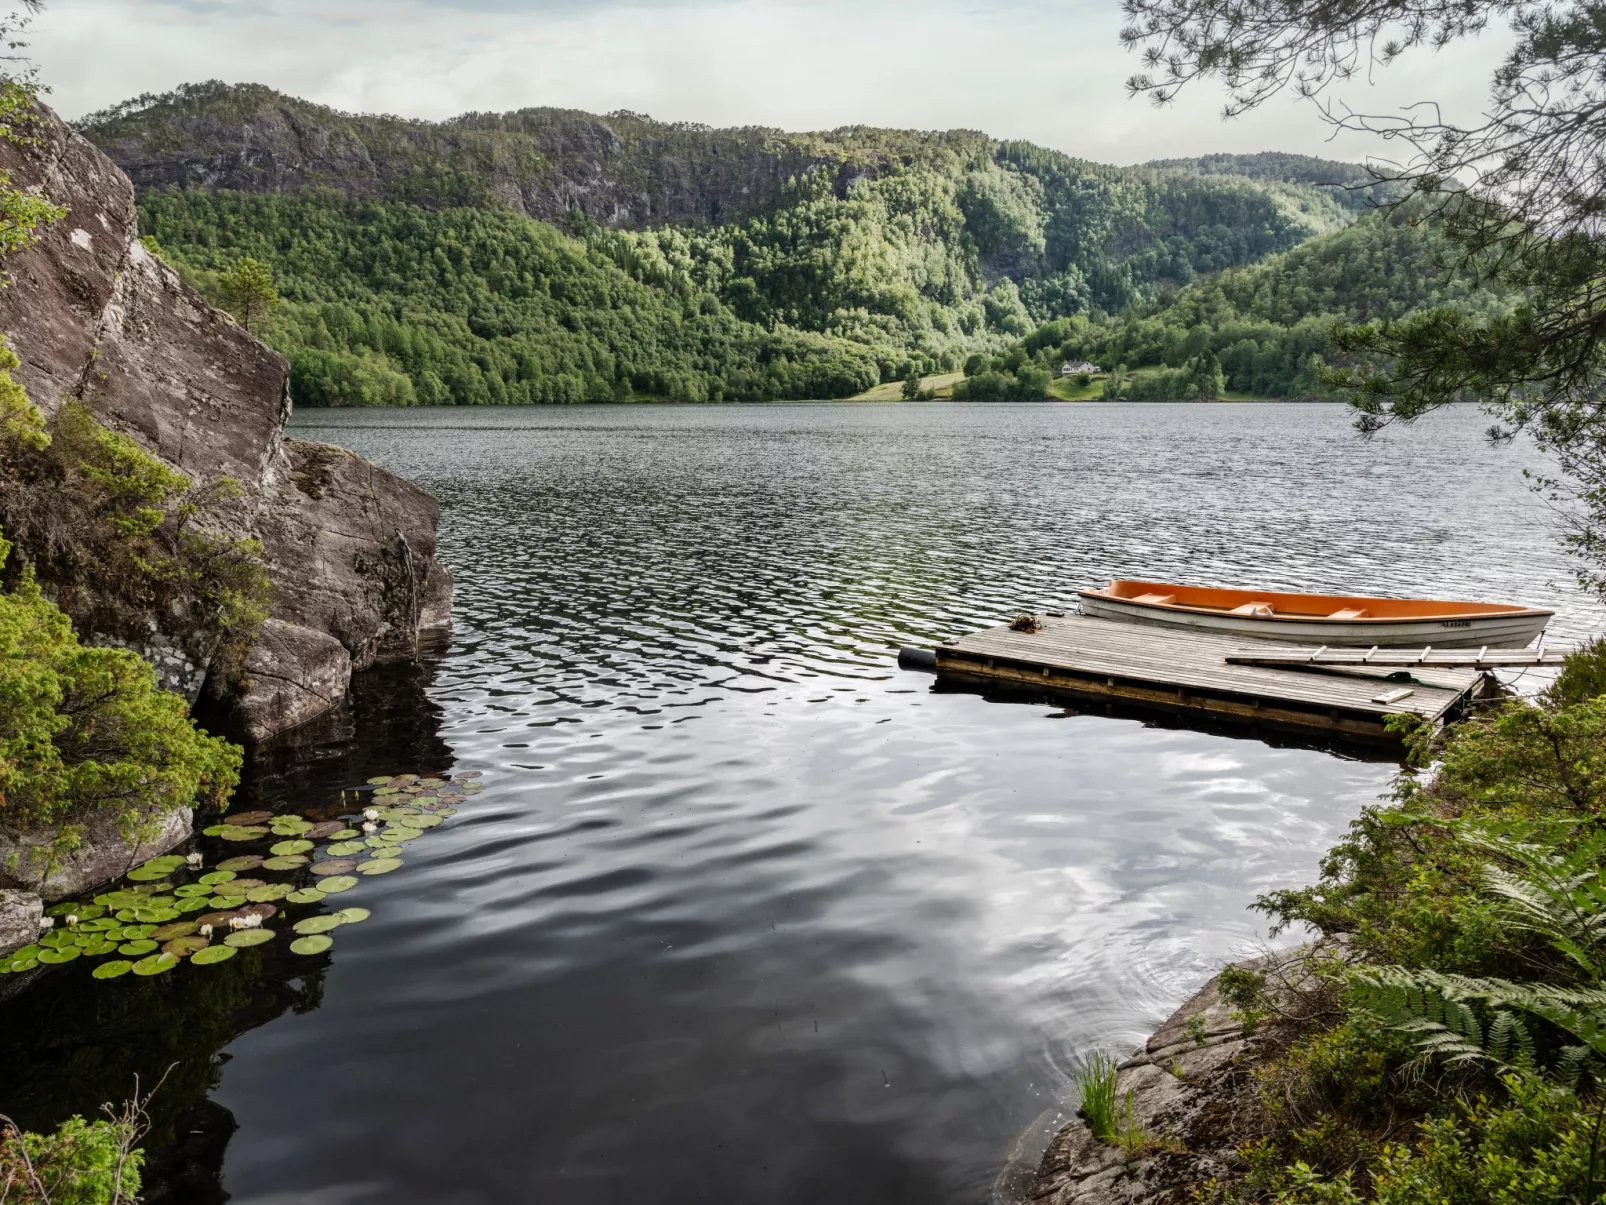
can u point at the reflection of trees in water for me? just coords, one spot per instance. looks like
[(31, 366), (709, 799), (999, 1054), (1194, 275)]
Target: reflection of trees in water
[(68, 1044)]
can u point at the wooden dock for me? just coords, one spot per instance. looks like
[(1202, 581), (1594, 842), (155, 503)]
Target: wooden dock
[(1189, 672)]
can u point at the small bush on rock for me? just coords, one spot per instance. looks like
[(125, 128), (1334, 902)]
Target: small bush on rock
[(86, 729)]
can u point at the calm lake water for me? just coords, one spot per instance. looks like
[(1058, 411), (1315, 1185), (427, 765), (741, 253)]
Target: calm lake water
[(744, 913)]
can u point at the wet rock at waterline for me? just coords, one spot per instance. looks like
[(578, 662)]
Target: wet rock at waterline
[(105, 852), (20, 912), (350, 547)]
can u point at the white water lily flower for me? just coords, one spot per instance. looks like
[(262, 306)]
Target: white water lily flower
[(71, 920), (370, 814), (47, 922), (205, 930), (193, 859), (236, 922), (368, 826)]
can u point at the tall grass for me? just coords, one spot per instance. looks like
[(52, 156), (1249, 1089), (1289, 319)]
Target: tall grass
[(1095, 1078)]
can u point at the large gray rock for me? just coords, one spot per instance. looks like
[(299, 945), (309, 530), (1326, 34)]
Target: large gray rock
[(293, 674), (19, 919), (103, 853), (350, 547)]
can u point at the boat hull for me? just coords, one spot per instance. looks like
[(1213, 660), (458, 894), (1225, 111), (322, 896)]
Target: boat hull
[(1510, 630)]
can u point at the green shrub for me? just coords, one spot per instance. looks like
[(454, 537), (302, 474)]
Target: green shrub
[(82, 1163), (86, 729), (1582, 678)]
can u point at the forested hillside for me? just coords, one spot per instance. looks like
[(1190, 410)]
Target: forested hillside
[(551, 255), (1257, 329)]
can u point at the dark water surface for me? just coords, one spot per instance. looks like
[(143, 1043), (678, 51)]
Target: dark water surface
[(744, 913)]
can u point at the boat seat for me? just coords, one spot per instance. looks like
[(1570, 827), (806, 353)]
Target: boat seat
[(1259, 610), (1156, 600), (1351, 613)]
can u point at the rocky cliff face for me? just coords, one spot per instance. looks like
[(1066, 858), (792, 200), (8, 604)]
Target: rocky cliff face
[(621, 170), (350, 547)]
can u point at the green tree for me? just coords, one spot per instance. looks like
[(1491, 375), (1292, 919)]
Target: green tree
[(246, 287), (911, 386)]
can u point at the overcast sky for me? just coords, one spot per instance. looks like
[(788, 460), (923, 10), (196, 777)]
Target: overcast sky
[(1051, 73)]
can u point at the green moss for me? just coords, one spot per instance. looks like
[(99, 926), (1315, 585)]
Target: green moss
[(82, 1163)]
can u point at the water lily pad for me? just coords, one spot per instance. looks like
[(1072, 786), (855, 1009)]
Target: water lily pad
[(307, 895), (222, 875), (335, 866), (345, 834), (137, 932), (143, 875), (111, 970), (56, 939), (19, 965), (214, 830), (100, 925), (155, 964), (243, 833), (472, 788), (164, 862), (315, 944), (191, 890), (206, 957), (285, 848), (420, 821), (217, 920), (445, 812), (243, 862), (317, 924), (263, 909), (380, 780), (467, 774), (380, 866), (401, 834), (247, 938), (265, 895), (288, 862), (64, 954), (183, 947), (67, 909), (432, 782), (297, 829), (225, 902), (324, 829), (345, 849), (135, 948), (353, 916), (181, 928), (155, 916), (96, 948), (194, 904), (343, 882), (248, 818), (379, 791)]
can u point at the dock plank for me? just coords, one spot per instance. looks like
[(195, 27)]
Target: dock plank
[(1187, 670)]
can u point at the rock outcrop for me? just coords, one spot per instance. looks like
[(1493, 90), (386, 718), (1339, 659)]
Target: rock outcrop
[(1193, 1101), (20, 912), (350, 548), (104, 852), (622, 170)]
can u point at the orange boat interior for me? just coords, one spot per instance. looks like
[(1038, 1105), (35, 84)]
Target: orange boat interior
[(1269, 604)]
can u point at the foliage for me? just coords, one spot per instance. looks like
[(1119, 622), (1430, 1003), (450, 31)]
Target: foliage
[(86, 729), (1467, 1059), (246, 288), (853, 257), (96, 516), (1096, 1084), (82, 1163)]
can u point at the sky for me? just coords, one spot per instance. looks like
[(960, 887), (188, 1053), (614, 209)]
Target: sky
[(1049, 73)]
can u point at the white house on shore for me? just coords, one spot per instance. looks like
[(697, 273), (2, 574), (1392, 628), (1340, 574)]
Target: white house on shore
[(1073, 368)]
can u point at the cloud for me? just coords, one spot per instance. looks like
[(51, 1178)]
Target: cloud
[(1050, 73)]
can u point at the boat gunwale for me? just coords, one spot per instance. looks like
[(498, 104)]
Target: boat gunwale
[(1483, 611)]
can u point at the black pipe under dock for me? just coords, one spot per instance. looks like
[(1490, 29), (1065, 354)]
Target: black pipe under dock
[(1188, 672)]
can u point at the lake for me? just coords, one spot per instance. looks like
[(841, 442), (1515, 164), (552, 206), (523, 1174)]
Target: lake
[(743, 912)]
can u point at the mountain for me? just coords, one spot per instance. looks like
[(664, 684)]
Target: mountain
[(549, 254)]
